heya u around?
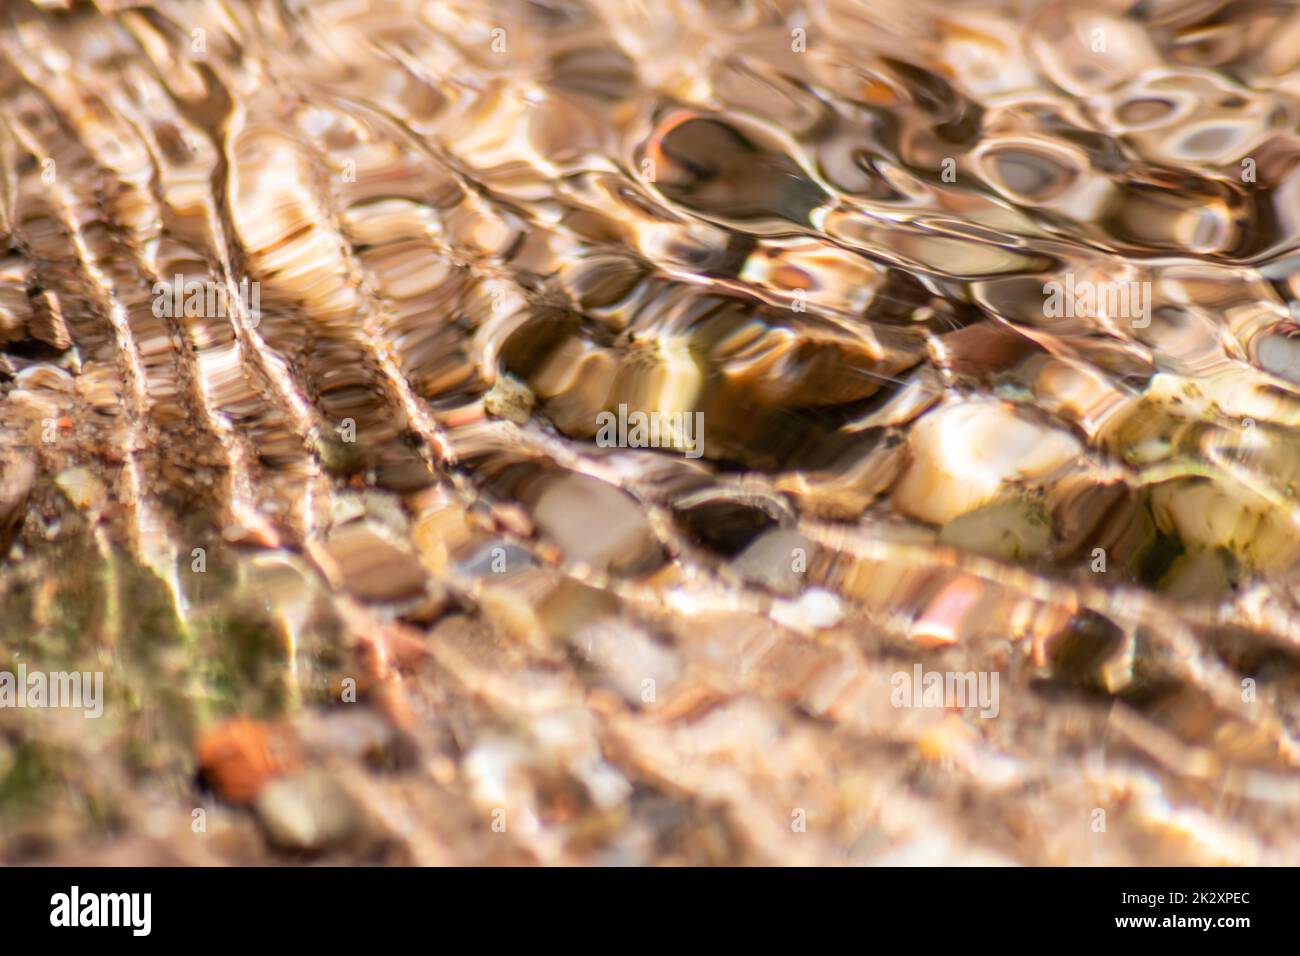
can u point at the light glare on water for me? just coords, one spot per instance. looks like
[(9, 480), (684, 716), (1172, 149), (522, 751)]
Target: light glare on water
[(590, 415)]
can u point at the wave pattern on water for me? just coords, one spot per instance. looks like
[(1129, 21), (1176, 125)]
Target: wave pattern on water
[(987, 313)]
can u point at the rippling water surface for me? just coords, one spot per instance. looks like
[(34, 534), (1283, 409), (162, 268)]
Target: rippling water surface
[(967, 333)]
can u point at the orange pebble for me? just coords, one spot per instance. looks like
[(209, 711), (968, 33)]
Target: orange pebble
[(240, 756)]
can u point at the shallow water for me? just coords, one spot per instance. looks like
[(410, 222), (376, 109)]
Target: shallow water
[(962, 337)]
